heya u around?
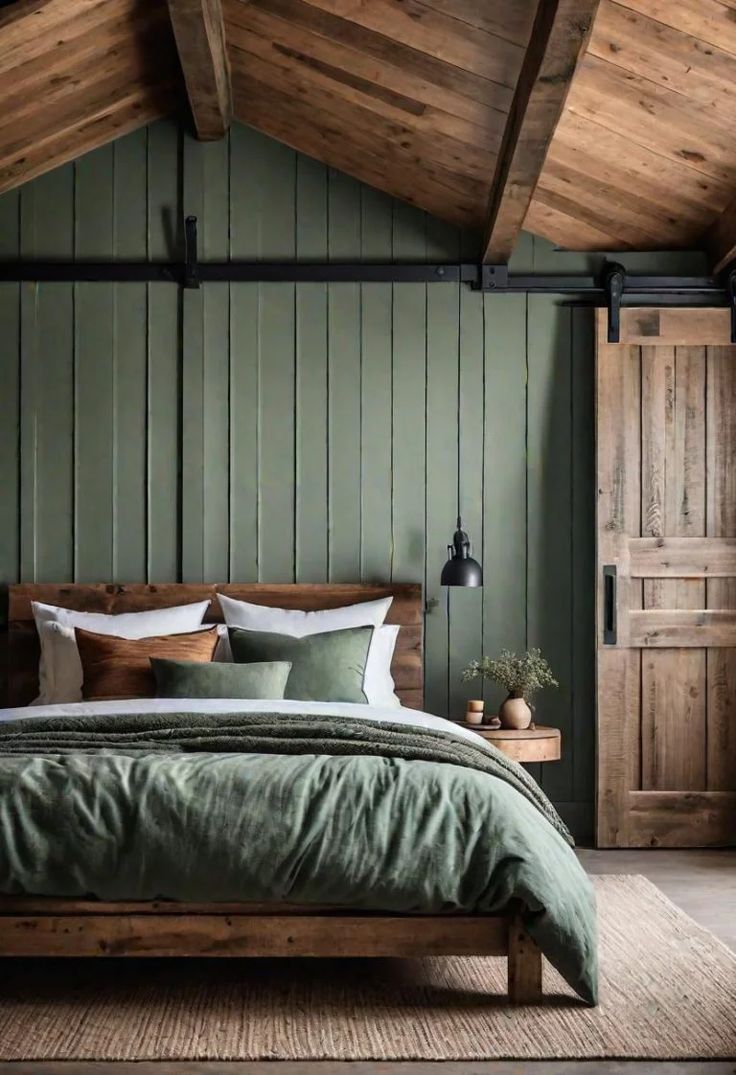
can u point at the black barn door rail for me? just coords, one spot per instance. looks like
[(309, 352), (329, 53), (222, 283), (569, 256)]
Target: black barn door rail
[(611, 288)]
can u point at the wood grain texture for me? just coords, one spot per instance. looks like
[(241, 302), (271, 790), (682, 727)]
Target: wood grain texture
[(74, 76), (199, 32), (557, 42), (230, 934), (643, 155), (671, 668), (405, 610), (721, 592), (524, 965)]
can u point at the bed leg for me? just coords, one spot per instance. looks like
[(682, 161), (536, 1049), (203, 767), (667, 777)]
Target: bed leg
[(525, 965)]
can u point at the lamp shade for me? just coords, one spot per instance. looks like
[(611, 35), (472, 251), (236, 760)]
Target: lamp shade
[(461, 569)]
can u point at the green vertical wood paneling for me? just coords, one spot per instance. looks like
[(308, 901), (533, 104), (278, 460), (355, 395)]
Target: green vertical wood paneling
[(163, 346), (504, 479), (344, 385), (216, 363), (276, 379), (550, 448), (409, 328), (47, 374), (244, 334), (311, 378), (9, 395), (193, 375), (130, 363), (94, 372), (376, 392), (466, 605), (441, 439)]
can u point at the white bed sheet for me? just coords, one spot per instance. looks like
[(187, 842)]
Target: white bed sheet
[(239, 705)]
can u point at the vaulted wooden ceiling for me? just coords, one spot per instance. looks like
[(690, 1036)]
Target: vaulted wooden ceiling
[(491, 114)]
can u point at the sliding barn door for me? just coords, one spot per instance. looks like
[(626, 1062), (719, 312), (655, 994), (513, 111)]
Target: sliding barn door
[(666, 606)]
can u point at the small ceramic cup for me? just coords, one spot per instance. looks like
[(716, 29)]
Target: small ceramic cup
[(474, 712)]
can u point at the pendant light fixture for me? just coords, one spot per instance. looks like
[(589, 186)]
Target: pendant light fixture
[(461, 569)]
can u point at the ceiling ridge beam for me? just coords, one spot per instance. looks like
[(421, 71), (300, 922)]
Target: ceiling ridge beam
[(558, 40), (199, 32)]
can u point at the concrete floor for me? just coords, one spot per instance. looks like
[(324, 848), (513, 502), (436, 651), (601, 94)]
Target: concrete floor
[(702, 883)]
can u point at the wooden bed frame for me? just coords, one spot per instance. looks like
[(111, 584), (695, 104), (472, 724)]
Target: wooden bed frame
[(45, 926)]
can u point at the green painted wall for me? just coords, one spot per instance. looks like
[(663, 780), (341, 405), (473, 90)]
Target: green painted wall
[(309, 432)]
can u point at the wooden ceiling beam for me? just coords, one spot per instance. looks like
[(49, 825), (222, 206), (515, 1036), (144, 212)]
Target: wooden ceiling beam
[(720, 238), (199, 31), (559, 36)]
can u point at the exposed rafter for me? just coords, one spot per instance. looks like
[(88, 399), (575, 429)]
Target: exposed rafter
[(199, 31), (720, 238), (558, 40)]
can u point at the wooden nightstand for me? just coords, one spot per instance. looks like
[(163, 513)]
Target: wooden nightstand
[(533, 744)]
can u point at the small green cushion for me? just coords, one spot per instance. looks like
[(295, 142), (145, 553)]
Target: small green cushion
[(325, 667), (215, 679)]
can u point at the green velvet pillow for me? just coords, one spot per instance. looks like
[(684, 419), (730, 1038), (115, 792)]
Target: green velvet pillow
[(325, 667), (215, 679)]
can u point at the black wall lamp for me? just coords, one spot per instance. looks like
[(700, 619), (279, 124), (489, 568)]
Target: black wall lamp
[(461, 569)]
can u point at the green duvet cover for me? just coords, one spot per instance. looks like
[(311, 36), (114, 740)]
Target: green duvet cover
[(305, 809)]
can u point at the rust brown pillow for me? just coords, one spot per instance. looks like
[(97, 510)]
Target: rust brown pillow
[(121, 668)]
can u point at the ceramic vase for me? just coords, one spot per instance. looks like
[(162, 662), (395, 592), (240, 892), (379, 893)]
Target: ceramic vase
[(515, 714)]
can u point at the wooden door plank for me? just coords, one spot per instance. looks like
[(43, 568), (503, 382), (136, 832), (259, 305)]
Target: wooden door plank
[(618, 410), (666, 627), (199, 32), (673, 502), (721, 593), (681, 818), (697, 327), (686, 557), (557, 42)]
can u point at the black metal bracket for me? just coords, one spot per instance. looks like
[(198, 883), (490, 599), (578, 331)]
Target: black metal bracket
[(614, 282), (731, 292), (491, 278), (191, 265)]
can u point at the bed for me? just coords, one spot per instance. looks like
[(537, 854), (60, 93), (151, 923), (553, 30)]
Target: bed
[(512, 885)]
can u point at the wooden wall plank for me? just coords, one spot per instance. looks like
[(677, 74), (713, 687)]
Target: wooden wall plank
[(376, 391), (277, 484), (344, 365), (310, 551), (47, 406), (130, 363), (550, 446), (164, 377), (409, 332), (216, 373), (94, 372), (443, 358), (721, 593), (466, 605), (504, 483), (244, 371), (193, 384)]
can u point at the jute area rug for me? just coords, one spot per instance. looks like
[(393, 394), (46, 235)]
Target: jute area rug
[(668, 992)]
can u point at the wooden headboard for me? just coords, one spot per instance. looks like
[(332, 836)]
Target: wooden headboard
[(23, 648)]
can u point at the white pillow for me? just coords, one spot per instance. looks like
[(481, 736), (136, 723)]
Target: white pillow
[(378, 685), (60, 671)]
